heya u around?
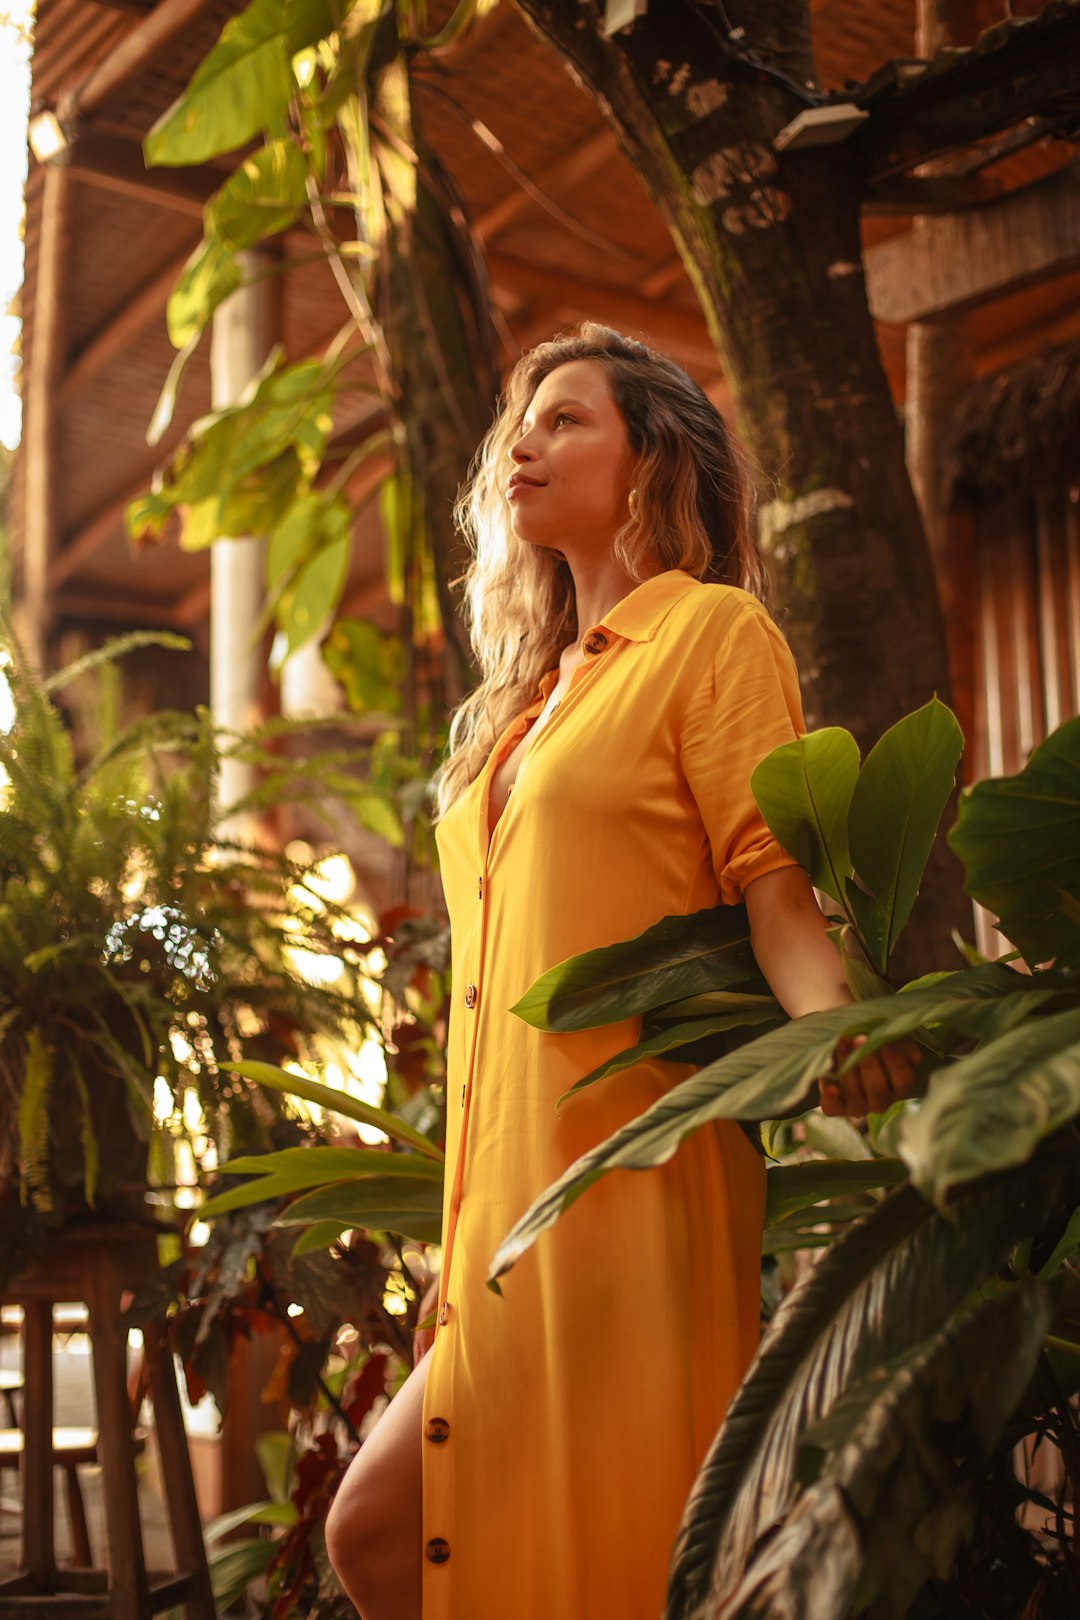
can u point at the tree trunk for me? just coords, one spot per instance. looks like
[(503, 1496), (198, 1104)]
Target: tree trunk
[(771, 243), (434, 310)]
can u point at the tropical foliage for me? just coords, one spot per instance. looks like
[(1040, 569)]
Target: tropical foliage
[(868, 1452), (865, 1465), (141, 951), (339, 173), (324, 1245)]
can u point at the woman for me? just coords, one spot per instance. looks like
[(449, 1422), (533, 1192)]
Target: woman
[(535, 1464)]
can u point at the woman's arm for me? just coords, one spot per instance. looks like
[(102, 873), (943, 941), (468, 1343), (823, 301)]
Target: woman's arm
[(803, 967)]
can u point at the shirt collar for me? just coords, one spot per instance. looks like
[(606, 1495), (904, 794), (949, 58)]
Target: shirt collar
[(638, 616)]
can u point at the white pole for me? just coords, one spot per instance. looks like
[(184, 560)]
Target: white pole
[(245, 329)]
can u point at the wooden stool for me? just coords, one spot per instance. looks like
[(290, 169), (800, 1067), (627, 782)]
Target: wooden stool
[(98, 1264)]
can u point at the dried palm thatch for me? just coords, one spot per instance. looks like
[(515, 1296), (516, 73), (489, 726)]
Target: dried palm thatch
[(1019, 427)]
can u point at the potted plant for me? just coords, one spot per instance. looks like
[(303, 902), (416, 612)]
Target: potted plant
[(141, 951)]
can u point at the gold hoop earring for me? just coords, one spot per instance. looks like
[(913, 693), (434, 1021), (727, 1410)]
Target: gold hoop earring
[(632, 503)]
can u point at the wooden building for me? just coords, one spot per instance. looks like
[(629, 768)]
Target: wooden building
[(975, 312)]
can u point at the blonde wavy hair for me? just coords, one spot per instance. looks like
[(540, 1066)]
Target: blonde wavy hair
[(693, 510)]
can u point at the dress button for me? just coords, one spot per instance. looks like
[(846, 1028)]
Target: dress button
[(444, 1313), (470, 995), (437, 1550), (595, 643), (437, 1430)]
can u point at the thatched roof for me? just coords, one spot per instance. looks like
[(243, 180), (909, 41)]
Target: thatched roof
[(1019, 427)]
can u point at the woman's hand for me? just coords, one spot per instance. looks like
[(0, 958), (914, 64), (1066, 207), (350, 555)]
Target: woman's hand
[(424, 1337), (872, 1084)]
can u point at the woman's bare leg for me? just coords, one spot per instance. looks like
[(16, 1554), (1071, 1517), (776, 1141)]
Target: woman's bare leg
[(375, 1526)]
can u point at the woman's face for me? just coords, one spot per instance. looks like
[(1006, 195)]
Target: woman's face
[(572, 465)]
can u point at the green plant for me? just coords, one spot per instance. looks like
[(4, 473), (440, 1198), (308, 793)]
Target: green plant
[(141, 952), (339, 172), (864, 1466)]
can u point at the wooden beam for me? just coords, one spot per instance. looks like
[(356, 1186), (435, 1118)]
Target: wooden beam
[(661, 280), (567, 171), (1021, 68), (114, 337), (94, 533), (114, 164), (930, 194), (681, 333), (40, 530), (959, 262), (145, 41), (1060, 325), (193, 607), (109, 519), (141, 611)]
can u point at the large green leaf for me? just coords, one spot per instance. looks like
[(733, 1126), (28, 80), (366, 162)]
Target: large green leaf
[(261, 198), (319, 1164), (369, 664), (308, 602), (242, 508), (277, 1175), (245, 83), (991, 1110), (675, 1036), (766, 1079), (889, 1507), (245, 467), (792, 1188), (307, 562), (803, 789), (898, 800), (410, 1207), (207, 279), (676, 957), (290, 406), (1019, 840), (336, 1102), (886, 1284)]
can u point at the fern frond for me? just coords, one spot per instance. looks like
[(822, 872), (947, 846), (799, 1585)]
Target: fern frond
[(34, 1121), (116, 647), (88, 1140)]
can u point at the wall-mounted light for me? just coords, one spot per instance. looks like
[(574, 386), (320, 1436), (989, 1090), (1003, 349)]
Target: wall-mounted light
[(619, 14), (46, 136), (820, 126)]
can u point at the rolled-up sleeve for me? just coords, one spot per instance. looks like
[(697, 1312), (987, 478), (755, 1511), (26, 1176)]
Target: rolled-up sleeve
[(747, 703)]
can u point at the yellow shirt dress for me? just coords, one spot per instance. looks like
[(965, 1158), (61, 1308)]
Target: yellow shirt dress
[(564, 1422)]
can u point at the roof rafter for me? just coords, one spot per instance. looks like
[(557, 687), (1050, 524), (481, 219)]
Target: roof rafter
[(1021, 68), (964, 260)]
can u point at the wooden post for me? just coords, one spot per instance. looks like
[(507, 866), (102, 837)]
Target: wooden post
[(245, 329), (38, 1554), (39, 451), (128, 1586)]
